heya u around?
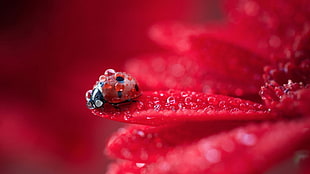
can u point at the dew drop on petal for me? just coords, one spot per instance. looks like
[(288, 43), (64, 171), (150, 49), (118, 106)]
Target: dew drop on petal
[(140, 133), (212, 100), (125, 152), (157, 107), (213, 155), (171, 100), (246, 138), (180, 105), (140, 165), (187, 100), (139, 105), (222, 104), (184, 94)]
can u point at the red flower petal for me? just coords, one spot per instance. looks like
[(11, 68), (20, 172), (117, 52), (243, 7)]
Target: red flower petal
[(272, 25), (154, 108), (174, 35), (211, 66), (177, 36), (290, 100), (225, 62), (128, 167), (145, 144), (251, 149), (296, 68)]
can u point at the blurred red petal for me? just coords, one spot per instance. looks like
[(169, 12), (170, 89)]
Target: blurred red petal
[(251, 149), (174, 35), (128, 167), (229, 65), (211, 65), (290, 100), (166, 107), (272, 25), (145, 143)]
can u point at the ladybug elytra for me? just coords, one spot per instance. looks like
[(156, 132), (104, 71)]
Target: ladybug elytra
[(113, 88)]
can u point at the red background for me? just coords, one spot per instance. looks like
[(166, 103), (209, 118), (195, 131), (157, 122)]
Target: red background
[(51, 53)]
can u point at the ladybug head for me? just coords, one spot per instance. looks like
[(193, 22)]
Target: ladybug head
[(95, 98)]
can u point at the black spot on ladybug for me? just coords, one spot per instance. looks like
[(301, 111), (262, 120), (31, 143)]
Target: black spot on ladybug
[(119, 94), (136, 87), (119, 78)]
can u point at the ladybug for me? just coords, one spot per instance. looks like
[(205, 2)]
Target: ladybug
[(113, 88)]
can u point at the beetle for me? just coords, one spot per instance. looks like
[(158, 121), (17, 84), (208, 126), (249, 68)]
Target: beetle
[(113, 88)]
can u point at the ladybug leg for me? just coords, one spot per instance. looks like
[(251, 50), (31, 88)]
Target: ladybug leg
[(133, 100), (116, 106)]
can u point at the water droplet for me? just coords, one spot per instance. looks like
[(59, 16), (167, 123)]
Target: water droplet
[(180, 106), (194, 106), (246, 138), (188, 100), (171, 100), (172, 108), (109, 72), (242, 106), (88, 95), (212, 100), (222, 104), (140, 133), (213, 155), (139, 105), (157, 107), (184, 94), (126, 153), (140, 165)]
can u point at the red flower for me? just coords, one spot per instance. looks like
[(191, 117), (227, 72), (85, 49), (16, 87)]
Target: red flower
[(203, 112), (50, 51)]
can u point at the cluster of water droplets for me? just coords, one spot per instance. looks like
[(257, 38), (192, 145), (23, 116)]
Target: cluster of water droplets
[(164, 103), (181, 101)]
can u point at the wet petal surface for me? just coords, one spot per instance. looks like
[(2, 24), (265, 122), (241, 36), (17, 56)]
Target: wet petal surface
[(166, 107), (250, 149)]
